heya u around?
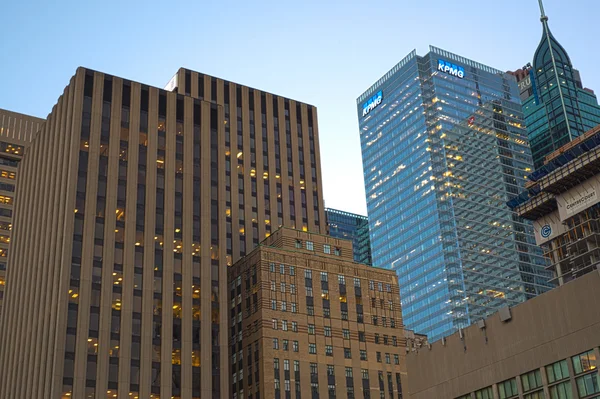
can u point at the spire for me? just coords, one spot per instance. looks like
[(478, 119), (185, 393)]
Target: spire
[(543, 13)]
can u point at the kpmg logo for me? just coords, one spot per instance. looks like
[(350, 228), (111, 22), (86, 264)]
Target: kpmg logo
[(451, 69), (546, 231), (372, 103)]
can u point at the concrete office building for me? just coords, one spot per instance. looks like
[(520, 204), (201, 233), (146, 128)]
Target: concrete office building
[(562, 199), (444, 148), (16, 132), (133, 202), (307, 321), (547, 347), (556, 106), (350, 226)]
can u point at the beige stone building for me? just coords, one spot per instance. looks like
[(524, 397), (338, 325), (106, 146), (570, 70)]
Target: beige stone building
[(16, 133), (133, 200), (307, 321), (547, 347)]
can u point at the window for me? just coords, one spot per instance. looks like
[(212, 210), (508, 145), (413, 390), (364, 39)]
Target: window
[(272, 267), (557, 371), (378, 357), (331, 390), (308, 274), (327, 331), (347, 353), (387, 358), (584, 362), (282, 287), (309, 245), (385, 340), (313, 368), (341, 280), (284, 325), (276, 364), (311, 329), (376, 338), (274, 324), (292, 271), (330, 369), (374, 319), (588, 384), (337, 252), (346, 333), (275, 343), (327, 248), (485, 393), (326, 313), (380, 287), (363, 354), (294, 326), (294, 307), (273, 286), (310, 310), (292, 288), (388, 288), (396, 359), (273, 304), (328, 350), (561, 391), (285, 344), (284, 306), (361, 336), (394, 340), (312, 349), (348, 372), (324, 276), (296, 365), (364, 373), (295, 346), (531, 380), (298, 244), (356, 282)]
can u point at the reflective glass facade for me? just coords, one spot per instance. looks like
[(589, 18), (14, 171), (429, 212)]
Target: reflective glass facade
[(443, 150), (353, 227), (556, 96)]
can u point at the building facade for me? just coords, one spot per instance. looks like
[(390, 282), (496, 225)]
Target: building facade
[(307, 321), (138, 199), (562, 200), (16, 132), (556, 106), (350, 226), (443, 148), (547, 347)]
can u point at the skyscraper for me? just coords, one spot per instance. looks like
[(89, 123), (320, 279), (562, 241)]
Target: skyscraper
[(16, 132), (444, 148), (132, 203), (350, 226), (556, 106)]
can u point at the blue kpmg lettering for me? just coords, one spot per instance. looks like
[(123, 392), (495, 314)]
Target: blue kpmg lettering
[(451, 69), (372, 103)]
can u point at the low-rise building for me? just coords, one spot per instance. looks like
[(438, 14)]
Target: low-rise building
[(305, 318), (546, 347)]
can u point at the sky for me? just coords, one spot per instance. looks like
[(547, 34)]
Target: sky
[(325, 53)]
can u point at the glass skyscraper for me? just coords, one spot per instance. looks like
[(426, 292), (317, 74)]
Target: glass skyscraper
[(444, 148), (556, 96), (351, 226)]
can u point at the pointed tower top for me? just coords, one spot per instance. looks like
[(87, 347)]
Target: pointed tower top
[(543, 17)]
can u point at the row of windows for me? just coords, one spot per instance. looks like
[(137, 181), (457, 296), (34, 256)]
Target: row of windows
[(586, 379)]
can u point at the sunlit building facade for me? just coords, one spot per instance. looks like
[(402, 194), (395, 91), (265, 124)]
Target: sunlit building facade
[(350, 226), (133, 201), (16, 132), (444, 148)]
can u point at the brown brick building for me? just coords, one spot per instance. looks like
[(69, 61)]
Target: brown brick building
[(547, 347), (16, 133), (307, 321), (132, 202)]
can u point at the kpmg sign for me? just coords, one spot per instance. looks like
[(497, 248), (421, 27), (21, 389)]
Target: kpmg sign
[(451, 69), (372, 103)]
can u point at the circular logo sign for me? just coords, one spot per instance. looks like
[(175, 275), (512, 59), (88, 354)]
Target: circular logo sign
[(546, 231)]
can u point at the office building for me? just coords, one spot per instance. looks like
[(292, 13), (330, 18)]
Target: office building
[(547, 347), (557, 107), (16, 132), (562, 199), (350, 226), (307, 321), (444, 148), (133, 202)]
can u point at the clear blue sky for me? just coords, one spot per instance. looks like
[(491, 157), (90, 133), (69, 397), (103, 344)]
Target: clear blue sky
[(324, 52)]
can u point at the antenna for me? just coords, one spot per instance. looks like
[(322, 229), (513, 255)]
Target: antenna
[(544, 17)]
